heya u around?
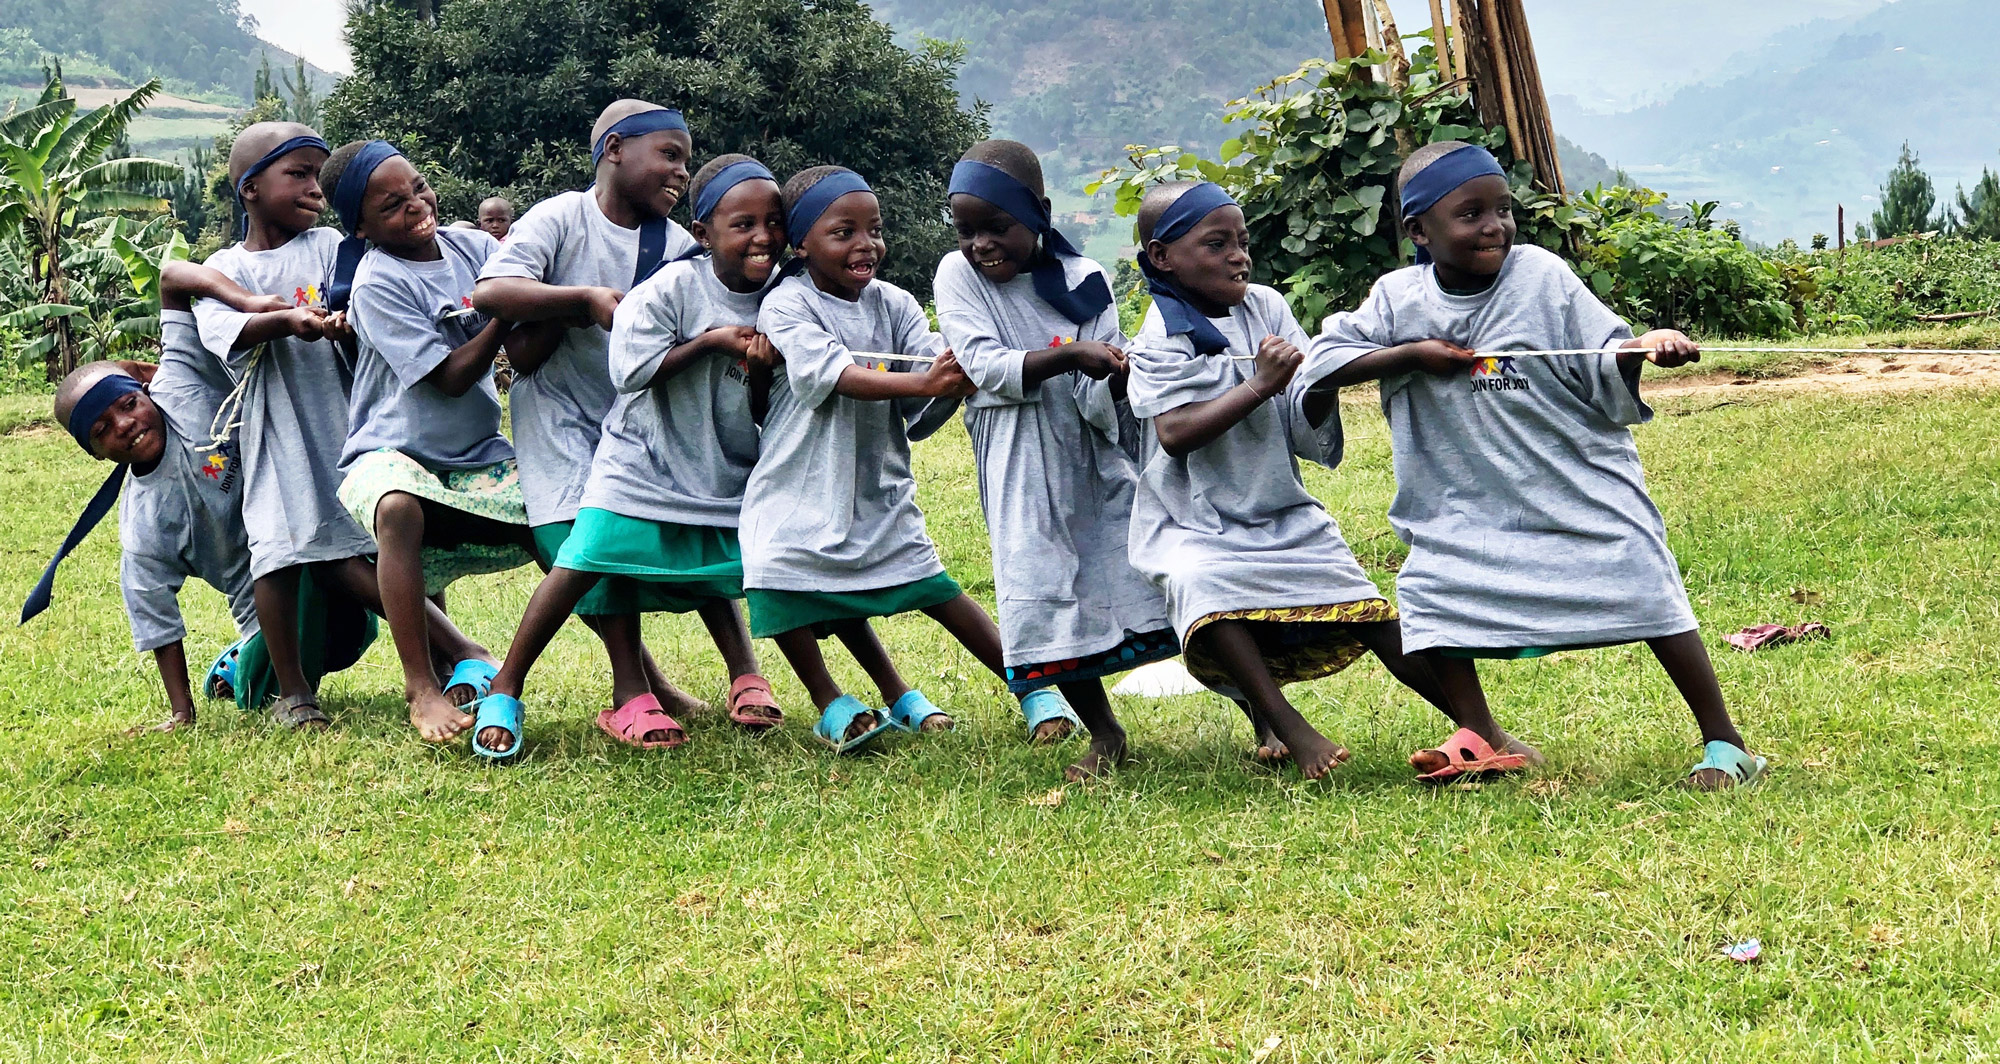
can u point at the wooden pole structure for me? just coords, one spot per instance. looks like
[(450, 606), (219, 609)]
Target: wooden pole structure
[(1441, 42), (1347, 26), (1840, 226)]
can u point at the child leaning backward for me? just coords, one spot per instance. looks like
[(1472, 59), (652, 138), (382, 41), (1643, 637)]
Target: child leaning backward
[(294, 389), (425, 467), (831, 531), (1032, 322), (666, 491), (180, 515), (567, 263), (1519, 489), (1261, 586)]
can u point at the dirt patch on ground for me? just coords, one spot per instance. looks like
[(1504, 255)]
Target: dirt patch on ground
[(1857, 373), (90, 99), (32, 430)]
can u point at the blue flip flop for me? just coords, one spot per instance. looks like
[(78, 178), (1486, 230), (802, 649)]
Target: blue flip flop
[(1732, 760), (475, 674), (1048, 704), (497, 711), (835, 718), (911, 711), (223, 672)]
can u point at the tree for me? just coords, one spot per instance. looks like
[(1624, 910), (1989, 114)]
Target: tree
[(499, 95), (54, 178), (1907, 199), (1979, 212)]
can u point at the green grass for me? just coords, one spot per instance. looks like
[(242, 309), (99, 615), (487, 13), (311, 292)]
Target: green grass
[(238, 894)]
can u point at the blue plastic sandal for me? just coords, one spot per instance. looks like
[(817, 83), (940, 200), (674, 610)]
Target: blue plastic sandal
[(497, 711), (912, 710), (475, 674), (1048, 704), (220, 683), (838, 715), (1731, 760)]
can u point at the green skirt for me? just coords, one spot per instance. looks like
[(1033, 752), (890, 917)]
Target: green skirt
[(333, 632), (777, 612), (653, 566), (1514, 653)]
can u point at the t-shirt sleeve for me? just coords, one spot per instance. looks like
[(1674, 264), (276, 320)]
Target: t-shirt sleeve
[(531, 247), (921, 417), (966, 324), (152, 588), (643, 329), (1322, 443), (814, 358), (1347, 335), (1598, 379), (389, 321), (1167, 375), (217, 323)]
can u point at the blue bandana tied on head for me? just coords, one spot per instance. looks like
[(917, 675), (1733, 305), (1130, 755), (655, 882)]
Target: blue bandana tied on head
[(347, 197), (807, 211), (1000, 188), (1443, 177), (718, 186), (264, 163), (1180, 316), (108, 390), (638, 125)]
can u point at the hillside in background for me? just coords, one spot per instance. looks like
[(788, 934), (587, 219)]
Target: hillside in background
[(1816, 118), (202, 49)]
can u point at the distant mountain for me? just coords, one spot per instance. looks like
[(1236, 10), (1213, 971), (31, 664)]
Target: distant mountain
[(196, 46), (1815, 119)]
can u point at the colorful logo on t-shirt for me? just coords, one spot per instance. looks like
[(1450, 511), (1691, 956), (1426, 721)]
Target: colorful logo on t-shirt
[(1059, 341), (306, 296), (219, 468), (1498, 375)]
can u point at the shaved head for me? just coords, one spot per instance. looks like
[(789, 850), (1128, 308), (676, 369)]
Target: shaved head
[(618, 111), (255, 140)]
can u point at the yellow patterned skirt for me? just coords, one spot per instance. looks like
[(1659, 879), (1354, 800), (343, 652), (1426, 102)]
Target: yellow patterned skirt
[(1299, 643)]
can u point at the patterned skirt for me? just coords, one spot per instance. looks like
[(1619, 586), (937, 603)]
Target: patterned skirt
[(492, 492), (1299, 643), (1137, 648)]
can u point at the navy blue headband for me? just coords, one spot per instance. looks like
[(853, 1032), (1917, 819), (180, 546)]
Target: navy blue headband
[(1179, 316), (347, 198), (264, 163), (806, 212), (108, 390), (1443, 177), (1003, 190), (725, 179), (638, 125)]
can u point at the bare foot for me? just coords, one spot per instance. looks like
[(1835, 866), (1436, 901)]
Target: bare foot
[(938, 722), (862, 724), (177, 722), (1709, 780), (678, 703), (1429, 761), (1318, 758), (463, 694), (438, 719), (1105, 754), (1047, 733)]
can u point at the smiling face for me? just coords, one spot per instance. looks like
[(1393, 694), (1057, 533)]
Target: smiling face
[(1211, 264), (399, 209), (1469, 232), (650, 172), (845, 247), (286, 194), (745, 231), (130, 432), (995, 242)]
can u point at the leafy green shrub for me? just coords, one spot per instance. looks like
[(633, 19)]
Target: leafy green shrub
[(1875, 289)]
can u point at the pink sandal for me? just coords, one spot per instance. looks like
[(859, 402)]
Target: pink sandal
[(1468, 754), (752, 690), (630, 722)]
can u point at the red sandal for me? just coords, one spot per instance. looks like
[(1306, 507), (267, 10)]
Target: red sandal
[(630, 722), (751, 693), (1467, 754)]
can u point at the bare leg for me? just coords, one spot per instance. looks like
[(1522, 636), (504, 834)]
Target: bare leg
[(671, 697), (1270, 748), (801, 650), (1687, 664), (1230, 645), (399, 576), (356, 578), (1107, 738), (1422, 673), (969, 623), (861, 641), (173, 664), (724, 620), (554, 598), (277, 596)]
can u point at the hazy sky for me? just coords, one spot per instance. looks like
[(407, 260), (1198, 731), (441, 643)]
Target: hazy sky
[(1606, 54)]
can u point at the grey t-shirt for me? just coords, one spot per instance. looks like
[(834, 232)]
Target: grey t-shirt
[(294, 410), (832, 504), (181, 519), (1518, 487), (1056, 489), (189, 379), (399, 312), (559, 409), (680, 451), (1231, 526)]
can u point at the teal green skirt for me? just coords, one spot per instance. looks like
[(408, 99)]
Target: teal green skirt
[(1514, 653), (777, 612), (653, 566)]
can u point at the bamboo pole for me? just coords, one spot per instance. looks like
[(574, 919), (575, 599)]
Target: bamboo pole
[(1503, 74), (1392, 43), (1441, 43), (1345, 25), (1460, 61), (1532, 102)]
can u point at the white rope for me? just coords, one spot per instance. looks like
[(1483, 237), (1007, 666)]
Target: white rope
[(229, 415), (1711, 350)]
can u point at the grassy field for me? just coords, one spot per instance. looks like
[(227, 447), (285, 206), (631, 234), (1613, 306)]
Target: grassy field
[(239, 894)]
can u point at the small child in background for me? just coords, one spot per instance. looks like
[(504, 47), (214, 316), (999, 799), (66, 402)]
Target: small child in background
[(1263, 590), (1032, 322), (425, 467), (496, 217), (831, 530), (1519, 489), (666, 489), (567, 263), (181, 513)]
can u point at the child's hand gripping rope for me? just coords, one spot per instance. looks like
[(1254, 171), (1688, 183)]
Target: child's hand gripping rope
[(1277, 361)]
